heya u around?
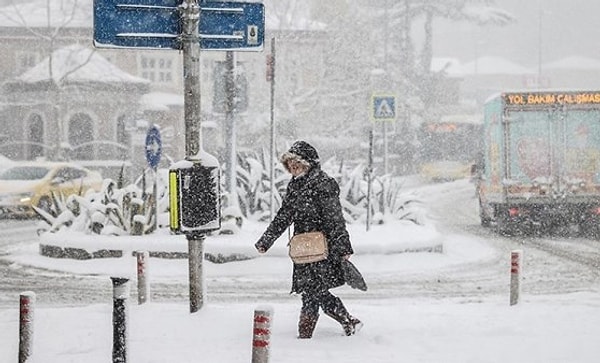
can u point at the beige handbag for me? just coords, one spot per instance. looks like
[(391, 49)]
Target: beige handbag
[(308, 247)]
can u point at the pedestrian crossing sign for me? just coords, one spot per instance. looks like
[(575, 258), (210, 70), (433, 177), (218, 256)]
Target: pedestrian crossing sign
[(383, 108)]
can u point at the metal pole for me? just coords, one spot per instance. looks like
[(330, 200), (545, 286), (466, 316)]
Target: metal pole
[(191, 77), (369, 177), (192, 115), (387, 85), (230, 149), (155, 194), (272, 151), (539, 71), (385, 148)]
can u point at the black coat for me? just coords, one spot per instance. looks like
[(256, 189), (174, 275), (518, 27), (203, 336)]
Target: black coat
[(312, 203)]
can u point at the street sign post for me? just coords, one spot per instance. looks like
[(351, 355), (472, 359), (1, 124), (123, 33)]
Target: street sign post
[(224, 25), (153, 151), (153, 147), (189, 26)]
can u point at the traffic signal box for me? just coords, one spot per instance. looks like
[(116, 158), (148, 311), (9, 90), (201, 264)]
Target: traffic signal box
[(194, 197)]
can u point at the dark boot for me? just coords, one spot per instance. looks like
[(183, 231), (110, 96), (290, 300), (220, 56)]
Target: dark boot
[(338, 312), (306, 325)]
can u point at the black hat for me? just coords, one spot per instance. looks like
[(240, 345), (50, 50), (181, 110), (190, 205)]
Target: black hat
[(301, 150)]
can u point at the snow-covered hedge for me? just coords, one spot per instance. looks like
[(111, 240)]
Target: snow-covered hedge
[(128, 210)]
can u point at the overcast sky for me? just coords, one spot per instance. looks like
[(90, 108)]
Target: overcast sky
[(568, 28)]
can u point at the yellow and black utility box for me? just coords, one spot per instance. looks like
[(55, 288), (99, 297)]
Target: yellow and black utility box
[(194, 189)]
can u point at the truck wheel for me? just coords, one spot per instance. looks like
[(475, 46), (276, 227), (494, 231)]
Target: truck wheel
[(589, 229), (503, 226), (486, 221)]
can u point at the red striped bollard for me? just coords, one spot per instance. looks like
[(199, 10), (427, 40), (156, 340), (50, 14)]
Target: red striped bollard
[(261, 335), (515, 276), (143, 283), (26, 304)]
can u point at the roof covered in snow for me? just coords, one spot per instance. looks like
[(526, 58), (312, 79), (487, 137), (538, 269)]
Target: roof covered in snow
[(160, 101), (77, 63), (574, 62), (488, 65), (447, 65)]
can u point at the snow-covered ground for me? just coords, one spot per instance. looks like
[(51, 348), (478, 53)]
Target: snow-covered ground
[(474, 325)]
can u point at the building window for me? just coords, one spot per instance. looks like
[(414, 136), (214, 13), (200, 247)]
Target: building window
[(25, 60), (35, 137), (156, 68), (122, 134), (81, 135)]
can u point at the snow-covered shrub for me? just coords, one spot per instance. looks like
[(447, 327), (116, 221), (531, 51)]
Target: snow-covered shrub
[(254, 183), (127, 210), (114, 210), (387, 201)]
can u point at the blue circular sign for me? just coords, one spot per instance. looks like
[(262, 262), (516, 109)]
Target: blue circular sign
[(153, 147)]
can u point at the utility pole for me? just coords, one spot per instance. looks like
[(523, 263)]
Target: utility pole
[(271, 78), (230, 128), (192, 117)]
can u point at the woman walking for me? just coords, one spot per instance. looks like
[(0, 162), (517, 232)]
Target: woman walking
[(312, 204)]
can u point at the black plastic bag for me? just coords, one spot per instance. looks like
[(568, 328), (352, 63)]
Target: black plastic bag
[(353, 277)]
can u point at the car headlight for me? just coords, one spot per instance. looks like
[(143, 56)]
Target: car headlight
[(24, 197)]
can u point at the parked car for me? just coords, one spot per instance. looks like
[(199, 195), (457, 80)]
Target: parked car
[(30, 184), (5, 163)]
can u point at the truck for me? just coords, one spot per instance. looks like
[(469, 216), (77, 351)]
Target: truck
[(540, 163)]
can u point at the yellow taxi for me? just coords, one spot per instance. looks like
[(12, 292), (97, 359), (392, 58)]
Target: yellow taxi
[(29, 184), (444, 171)]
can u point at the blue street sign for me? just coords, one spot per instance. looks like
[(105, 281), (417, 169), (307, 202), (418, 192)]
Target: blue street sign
[(231, 25), (153, 147), (130, 24), (383, 108), (224, 25)]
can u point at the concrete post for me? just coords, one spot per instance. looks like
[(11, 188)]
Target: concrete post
[(26, 305), (261, 335)]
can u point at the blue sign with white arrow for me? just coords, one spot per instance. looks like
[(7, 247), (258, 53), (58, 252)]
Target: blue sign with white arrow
[(153, 147), (157, 24)]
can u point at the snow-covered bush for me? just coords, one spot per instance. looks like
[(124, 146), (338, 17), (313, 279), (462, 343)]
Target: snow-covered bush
[(254, 184), (387, 200), (253, 188), (128, 210), (114, 210)]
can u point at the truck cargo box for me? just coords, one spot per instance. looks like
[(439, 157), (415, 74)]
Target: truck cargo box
[(541, 159)]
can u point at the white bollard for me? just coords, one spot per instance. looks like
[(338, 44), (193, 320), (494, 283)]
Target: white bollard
[(26, 305), (261, 335), (143, 281), (515, 276)]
